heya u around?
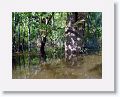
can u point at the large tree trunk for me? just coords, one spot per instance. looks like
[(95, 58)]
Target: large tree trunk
[(74, 34)]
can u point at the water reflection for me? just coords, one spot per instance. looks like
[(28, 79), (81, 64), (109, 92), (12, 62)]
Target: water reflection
[(29, 66)]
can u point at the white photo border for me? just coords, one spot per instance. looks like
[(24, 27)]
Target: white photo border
[(104, 84)]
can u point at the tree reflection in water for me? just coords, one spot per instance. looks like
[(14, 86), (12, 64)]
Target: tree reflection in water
[(28, 66)]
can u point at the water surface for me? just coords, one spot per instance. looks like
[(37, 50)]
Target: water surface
[(29, 66)]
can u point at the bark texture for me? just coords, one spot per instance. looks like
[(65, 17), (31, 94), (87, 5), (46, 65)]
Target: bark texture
[(74, 34)]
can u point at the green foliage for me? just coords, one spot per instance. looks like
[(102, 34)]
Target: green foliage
[(93, 25), (27, 26)]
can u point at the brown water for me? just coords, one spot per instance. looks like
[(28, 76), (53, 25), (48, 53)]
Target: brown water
[(29, 66)]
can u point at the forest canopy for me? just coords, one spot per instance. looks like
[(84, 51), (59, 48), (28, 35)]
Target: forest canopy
[(28, 29)]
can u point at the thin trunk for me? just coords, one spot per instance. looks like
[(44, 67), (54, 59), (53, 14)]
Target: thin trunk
[(13, 35), (29, 48), (14, 62), (13, 44), (28, 66), (23, 58), (23, 39), (29, 59), (18, 37), (53, 20), (88, 24), (19, 63)]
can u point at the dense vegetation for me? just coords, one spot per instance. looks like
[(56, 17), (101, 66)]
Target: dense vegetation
[(28, 27), (46, 34)]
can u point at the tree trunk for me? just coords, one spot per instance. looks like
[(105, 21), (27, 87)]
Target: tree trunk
[(23, 40), (74, 34), (42, 49), (29, 47), (13, 35), (52, 20), (18, 37)]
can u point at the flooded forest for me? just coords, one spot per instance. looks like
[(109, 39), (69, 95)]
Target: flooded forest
[(56, 45)]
